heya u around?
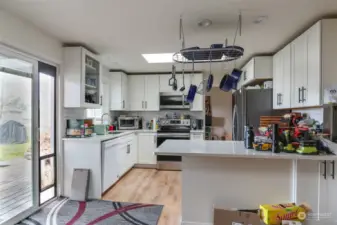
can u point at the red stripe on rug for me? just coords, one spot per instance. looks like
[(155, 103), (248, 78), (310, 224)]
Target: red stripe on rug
[(118, 211), (80, 211)]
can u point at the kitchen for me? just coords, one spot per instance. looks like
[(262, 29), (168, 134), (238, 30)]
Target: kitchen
[(133, 125)]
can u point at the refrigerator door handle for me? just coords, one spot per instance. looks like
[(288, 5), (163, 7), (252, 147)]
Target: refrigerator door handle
[(234, 124)]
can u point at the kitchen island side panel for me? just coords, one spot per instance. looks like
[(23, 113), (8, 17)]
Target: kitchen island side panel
[(232, 183)]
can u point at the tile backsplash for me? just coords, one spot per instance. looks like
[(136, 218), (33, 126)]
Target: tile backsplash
[(314, 113), (147, 116)]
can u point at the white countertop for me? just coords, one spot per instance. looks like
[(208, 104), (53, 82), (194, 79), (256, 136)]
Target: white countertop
[(100, 137), (108, 136), (233, 149)]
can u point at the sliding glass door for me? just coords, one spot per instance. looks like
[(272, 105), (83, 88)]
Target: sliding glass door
[(18, 192), (27, 135)]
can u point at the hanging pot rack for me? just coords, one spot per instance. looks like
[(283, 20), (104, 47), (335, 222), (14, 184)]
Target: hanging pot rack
[(215, 53)]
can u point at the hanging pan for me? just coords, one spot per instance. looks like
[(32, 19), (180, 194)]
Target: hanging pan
[(193, 89)]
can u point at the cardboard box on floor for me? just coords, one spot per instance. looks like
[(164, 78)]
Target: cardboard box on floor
[(235, 217)]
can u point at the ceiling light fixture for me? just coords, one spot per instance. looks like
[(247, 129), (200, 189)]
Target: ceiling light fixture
[(158, 57), (205, 23), (260, 19)]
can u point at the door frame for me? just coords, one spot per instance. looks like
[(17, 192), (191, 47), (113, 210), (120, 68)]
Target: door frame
[(35, 170), (16, 53)]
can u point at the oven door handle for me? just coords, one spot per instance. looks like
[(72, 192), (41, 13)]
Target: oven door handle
[(173, 135)]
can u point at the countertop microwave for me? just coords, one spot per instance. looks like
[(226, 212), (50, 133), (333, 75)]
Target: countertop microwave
[(129, 123), (173, 100)]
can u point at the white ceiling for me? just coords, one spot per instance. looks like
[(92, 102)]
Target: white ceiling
[(121, 30)]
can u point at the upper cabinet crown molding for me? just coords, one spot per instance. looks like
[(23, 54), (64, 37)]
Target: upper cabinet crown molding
[(82, 78)]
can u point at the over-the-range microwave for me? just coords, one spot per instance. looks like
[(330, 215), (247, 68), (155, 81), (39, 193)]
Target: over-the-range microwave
[(173, 100)]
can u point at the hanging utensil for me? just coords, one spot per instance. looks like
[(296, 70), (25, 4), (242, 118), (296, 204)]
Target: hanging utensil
[(183, 87), (173, 80)]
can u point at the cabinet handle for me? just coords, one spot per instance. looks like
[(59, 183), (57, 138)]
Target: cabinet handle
[(155, 140), (278, 99), (145, 104), (333, 169), (142, 104), (101, 100), (303, 99), (324, 170), (281, 99), (299, 95), (123, 104), (128, 149)]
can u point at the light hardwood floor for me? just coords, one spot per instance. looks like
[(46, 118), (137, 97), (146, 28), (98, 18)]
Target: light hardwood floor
[(151, 186)]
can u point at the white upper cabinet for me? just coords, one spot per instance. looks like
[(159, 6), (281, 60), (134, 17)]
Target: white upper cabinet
[(151, 93), (198, 103), (82, 78), (118, 91), (281, 78), (136, 87), (306, 68), (313, 67), (164, 83), (143, 92), (260, 67), (312, 94)]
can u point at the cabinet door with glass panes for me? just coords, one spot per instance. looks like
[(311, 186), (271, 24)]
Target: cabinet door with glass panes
[(82, 79), (92, 80)]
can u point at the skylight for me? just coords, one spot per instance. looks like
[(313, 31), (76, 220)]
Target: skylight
[(159, 57)]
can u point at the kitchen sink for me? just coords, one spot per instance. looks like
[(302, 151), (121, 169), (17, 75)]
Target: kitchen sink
[(115, 132)]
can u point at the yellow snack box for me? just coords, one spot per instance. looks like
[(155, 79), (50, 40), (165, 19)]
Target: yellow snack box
[(274, 214)]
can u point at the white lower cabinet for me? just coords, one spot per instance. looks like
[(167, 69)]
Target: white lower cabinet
[(317, 187), (197, 136), (147, 144)]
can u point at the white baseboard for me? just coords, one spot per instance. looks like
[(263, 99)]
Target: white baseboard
[(194, 223)]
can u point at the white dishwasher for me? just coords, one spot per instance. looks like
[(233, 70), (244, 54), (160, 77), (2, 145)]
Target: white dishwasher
[(111, 162)]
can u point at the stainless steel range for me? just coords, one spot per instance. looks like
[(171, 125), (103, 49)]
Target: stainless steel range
[(172, 129)]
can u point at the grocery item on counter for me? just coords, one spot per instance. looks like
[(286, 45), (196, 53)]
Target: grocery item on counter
[(249, 137), (274, 214), (276, 139)]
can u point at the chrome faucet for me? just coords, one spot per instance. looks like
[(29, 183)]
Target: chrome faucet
[(104, 115)]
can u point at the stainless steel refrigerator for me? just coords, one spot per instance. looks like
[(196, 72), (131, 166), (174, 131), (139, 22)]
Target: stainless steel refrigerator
[(248, 106)]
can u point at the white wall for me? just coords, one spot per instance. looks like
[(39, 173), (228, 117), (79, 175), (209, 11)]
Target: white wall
[(221, 105), (25, 37)]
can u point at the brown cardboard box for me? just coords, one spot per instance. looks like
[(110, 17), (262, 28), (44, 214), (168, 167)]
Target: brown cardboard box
[(234, 217)]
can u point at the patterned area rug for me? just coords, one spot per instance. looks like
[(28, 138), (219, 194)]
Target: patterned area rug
[(67, 212)]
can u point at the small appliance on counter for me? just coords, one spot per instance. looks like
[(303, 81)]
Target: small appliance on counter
[(130, 123), (100, 129), (79, 128)]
